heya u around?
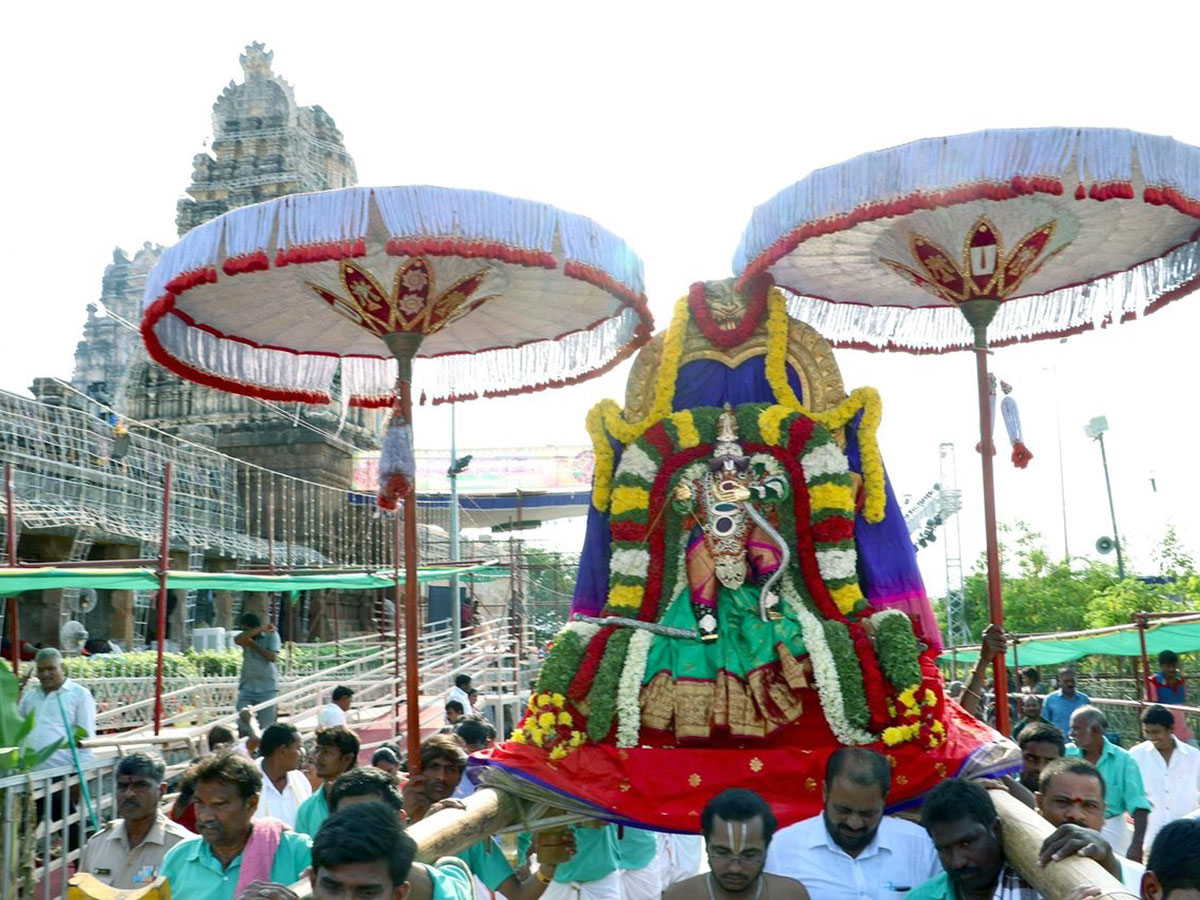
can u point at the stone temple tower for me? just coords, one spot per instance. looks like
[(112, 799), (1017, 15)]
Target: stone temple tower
[(264, 146)]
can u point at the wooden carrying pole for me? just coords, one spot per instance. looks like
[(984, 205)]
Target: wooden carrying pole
[(1023, 831)]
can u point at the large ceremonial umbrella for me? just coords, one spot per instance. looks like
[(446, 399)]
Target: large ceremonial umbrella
[(1014, 235), (329, 297)]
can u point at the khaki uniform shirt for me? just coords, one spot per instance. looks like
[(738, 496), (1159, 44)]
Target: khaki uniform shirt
[(108, 857)]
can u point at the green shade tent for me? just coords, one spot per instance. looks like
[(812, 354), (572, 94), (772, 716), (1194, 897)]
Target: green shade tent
[(1051, 649), (16, 580)]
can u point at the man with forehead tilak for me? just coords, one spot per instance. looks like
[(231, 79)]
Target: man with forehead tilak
[(738, 826), (1071, 798)]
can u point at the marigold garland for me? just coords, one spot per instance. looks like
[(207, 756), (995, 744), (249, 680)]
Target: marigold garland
[(549, 725), (865, 399)]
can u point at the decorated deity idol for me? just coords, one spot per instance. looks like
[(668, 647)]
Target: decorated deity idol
[(730, 538), (748, 598)]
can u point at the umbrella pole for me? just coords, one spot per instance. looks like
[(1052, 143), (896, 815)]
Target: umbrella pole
[(404, 347), (979, 314)]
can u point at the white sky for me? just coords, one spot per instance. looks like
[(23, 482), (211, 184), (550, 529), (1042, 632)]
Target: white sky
[(667, 123)]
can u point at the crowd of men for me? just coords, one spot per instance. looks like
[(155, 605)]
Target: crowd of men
[(259, 813)]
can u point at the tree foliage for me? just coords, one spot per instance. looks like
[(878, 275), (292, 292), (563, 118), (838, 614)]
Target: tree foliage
[(1044, 594)]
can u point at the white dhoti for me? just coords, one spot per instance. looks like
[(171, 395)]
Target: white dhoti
[(643, 884), (1118, 833), (680, 856), (606, 888)]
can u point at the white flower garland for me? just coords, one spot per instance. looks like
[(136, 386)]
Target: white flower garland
[(631, 562), (829, 687), (827, 459), (585, 630), (837, 564), (636, 461), (629, 689)]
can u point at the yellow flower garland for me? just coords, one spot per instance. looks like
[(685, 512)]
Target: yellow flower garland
[(606, 417), (866, 399)]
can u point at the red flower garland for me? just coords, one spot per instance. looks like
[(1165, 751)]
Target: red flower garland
[(874, 685), (755, 311), (589, 665)]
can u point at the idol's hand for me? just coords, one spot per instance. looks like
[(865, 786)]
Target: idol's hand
[(683, 492)]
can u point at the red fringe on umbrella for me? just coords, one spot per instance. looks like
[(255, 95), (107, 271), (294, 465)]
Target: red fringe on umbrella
[(322, 252), (247, 262), (471, 250)]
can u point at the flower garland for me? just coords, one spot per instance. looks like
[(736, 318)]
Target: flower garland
[(897, 647), (549, 725), (629, 691), (875, 689), (825, 670), (756, 305), (589, 665), (564, 657), (602, 698), (864, 399)]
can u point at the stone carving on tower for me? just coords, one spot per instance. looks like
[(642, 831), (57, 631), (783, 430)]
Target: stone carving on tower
[(264, 146)]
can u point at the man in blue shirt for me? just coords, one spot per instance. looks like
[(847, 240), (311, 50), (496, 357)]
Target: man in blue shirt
[(1060, 704)]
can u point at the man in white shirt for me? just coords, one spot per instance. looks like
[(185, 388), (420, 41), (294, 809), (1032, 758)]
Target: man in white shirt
[(334, 712), (284, 786), (462, 684), (852, 851), (1170, 770), (58, 703)]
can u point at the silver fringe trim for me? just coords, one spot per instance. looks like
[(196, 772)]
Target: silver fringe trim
[(1101, 303)]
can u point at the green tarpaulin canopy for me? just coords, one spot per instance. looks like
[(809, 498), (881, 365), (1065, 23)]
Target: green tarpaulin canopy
[(1048, 650), (15, 580)]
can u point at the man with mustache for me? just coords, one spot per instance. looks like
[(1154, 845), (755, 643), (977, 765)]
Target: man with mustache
[(216, 864), (1071, 798), (1040, 744), (965, 829), (738, 826), (852, 849), (443, 760), (128, 852)]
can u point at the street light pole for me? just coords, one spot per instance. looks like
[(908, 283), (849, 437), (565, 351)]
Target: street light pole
[(1112, 510), (1095, 429)]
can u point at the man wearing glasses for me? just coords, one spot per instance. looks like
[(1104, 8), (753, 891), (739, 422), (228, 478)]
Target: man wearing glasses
[(738, 826)]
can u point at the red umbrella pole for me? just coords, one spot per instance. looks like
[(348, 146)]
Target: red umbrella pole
[(979, 313), (404, 347)]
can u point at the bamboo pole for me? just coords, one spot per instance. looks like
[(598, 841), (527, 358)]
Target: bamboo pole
[(1023, 831)]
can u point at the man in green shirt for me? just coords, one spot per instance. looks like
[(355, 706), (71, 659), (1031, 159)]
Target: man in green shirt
[(1124, 792), (337, 754), (367, 787), (210, 867), (443, 760), (365, 852)]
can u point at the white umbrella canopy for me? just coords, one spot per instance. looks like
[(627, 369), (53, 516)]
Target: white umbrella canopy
[(1002, 236), (500, 295), (1082, 228), (274, 299)]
